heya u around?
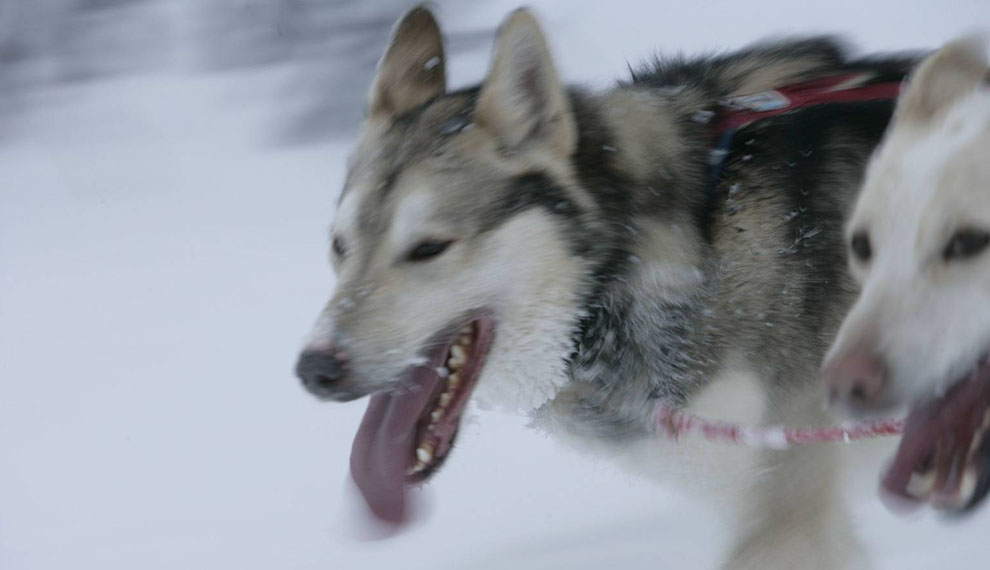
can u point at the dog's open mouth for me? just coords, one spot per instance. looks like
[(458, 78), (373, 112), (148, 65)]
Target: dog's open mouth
[(944, 456), (407, 434)]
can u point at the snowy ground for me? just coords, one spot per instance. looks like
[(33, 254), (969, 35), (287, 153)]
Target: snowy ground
[(159, 264)]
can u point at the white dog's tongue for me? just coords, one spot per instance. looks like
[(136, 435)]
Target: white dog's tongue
[(939, 439), (384, 446)]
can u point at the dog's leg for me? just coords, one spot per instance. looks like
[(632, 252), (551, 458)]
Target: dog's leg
[(795, 518)]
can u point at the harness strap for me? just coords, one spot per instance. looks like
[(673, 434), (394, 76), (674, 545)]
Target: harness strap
[(737, 112), (676, 423)]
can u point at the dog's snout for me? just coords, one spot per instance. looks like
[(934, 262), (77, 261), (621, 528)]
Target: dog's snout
[(323, 373), (856, 379)]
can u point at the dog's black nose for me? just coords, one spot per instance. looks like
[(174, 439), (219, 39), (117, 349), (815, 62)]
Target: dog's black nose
[(323, 373)]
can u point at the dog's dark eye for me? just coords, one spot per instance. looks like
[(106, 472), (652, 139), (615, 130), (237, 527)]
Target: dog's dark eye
[(860, 246), (338, 247), (428, 249), (966, 243)]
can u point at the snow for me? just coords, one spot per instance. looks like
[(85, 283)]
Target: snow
[(160, 262)]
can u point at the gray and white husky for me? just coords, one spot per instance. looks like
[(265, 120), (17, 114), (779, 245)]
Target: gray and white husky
[(920, 245), (571, 256)]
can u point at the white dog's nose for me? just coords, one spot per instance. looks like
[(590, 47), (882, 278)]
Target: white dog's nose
[(855, 378)]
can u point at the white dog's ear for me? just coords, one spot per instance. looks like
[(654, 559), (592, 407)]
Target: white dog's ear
[(522, 100), (945, 76), (412, 71)]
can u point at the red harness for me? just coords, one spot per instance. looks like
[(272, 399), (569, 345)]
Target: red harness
[(737, 112)]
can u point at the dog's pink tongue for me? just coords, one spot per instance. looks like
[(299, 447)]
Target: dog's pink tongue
[(950, 422), (384, 447)]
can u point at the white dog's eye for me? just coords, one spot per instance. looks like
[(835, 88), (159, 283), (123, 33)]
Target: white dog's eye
[(428, 249), (860, 247), (966, 243)]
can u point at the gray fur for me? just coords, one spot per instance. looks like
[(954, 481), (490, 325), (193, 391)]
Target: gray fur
[(681, 276)]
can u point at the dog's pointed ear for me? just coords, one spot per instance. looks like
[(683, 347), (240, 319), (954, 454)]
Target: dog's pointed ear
[(413, 69), (944, 77), (522, 100)]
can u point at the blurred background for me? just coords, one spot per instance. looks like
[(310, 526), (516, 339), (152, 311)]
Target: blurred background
[(322, 46), (168, 170)]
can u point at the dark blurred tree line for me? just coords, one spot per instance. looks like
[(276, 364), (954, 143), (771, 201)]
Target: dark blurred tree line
[(331, 45)]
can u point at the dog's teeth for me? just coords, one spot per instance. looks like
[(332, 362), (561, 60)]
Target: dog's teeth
[(967, 486), (454, 379), (445, 399), (443, 371), (458, 355), (974, 445), (419, 466), (435, 416), (921, 484), (424, 453)]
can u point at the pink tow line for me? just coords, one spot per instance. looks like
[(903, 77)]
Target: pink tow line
[(676, 423)]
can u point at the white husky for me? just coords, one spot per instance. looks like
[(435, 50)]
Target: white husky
[(918, 239)]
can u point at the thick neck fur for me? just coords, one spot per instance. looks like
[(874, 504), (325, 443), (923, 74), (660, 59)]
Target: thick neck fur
[(643, 159), (652, 329)]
